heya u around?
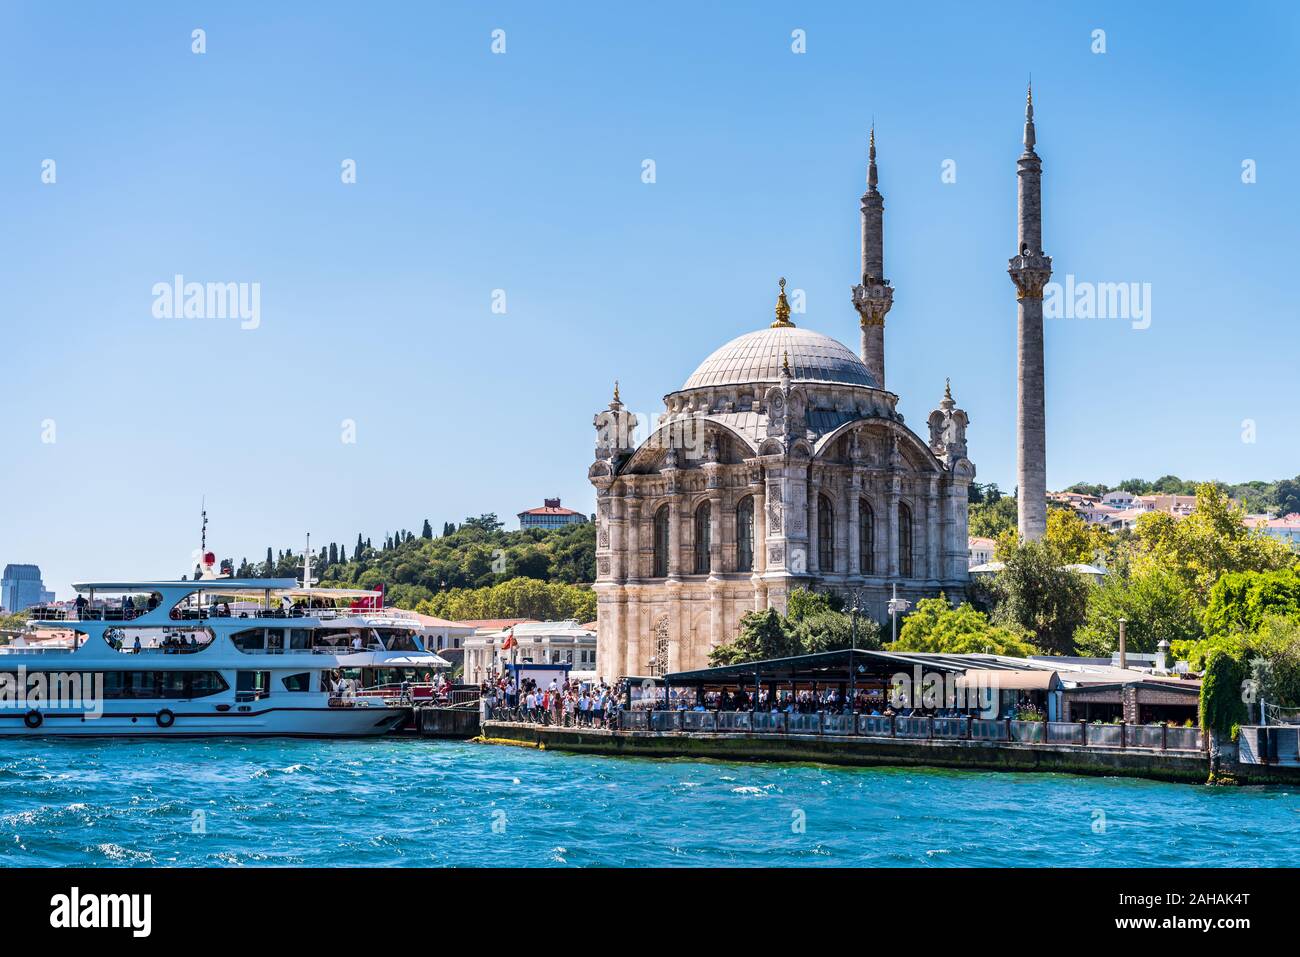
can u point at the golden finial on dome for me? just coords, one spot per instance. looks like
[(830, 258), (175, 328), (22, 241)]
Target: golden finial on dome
[(616, 390), (782, 309)]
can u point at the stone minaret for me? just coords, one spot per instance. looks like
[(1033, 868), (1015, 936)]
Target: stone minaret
[(873, 297), (1030, 269)]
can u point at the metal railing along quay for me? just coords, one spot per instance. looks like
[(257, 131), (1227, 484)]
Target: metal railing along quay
[(1149, 737)]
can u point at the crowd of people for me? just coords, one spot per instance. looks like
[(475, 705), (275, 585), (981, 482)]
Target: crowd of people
[(596, 704), (563, 703)]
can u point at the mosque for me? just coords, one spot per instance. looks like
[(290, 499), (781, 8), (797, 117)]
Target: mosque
[(783, 463)]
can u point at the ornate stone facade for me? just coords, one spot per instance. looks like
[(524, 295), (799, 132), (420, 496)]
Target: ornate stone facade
[(781, 463)]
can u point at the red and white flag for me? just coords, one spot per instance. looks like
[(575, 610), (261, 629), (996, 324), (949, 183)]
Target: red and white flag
[(510, 640)]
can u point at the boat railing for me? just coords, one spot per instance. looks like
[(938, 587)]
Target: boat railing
[(35, 650), (157, 650), (320, 614), (340, 650), (86, 614)]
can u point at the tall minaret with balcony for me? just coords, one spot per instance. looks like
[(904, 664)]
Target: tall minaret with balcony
[(1030, 270), (873, 297)]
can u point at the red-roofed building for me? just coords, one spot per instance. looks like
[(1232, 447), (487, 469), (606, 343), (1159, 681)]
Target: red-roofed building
[(1286, 528), (492, 624), (442, 635), (550, 515)]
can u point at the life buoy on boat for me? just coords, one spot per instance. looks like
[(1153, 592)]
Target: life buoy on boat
[(33, 719), (165, 718)]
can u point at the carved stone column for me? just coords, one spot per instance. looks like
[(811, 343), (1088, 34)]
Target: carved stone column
[(617, 524), (891, 506), (760, 542), (608, 648), (633, 563), (934, 530), (852, 493), (674, 537), (715, 533), (633, 627), (814, 532)]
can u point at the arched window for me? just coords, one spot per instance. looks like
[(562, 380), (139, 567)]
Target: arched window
[(661, 543), (702, 515), (866, 538), (904, 541), (745, 534), (825, 534)]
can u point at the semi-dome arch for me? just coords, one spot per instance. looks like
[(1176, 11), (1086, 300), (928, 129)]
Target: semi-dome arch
[(914, 441), (649, 454)]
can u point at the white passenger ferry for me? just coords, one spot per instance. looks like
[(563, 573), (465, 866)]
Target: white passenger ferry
[(219, 656)]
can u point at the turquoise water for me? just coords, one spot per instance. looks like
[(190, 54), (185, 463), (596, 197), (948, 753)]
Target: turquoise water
[(411, 802)]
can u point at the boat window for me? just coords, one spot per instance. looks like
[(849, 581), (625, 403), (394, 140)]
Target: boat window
[(251, 685), (155, 641), (252, 680), (299, 639), (274, 640), (250, 639), (298, 682), (162, 684), (395, 640), (337, 637)]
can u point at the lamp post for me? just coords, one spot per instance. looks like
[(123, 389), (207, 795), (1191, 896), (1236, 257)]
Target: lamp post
[(896, 607), (854, 611)]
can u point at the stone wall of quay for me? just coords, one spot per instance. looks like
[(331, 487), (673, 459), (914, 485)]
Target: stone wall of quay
[(1185, 767)]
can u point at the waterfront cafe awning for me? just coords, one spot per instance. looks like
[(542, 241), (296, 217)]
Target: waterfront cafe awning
[(1010, 679), (825, 667)]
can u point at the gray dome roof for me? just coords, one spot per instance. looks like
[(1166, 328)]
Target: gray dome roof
[(757, 357)]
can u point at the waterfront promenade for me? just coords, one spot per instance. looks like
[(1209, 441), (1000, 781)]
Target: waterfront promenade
[(1156, 752)]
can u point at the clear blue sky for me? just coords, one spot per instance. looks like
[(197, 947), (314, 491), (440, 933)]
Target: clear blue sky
[(523, 172)]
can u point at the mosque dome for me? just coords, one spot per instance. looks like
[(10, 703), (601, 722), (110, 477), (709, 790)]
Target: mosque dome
[(758, 356)]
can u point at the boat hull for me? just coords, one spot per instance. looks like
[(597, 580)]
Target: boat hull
[(268, 722)]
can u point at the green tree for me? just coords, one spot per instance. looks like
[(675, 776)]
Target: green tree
[(1221, 706), (1286, 496), (827, 630), (1075, 541), (1155, 604), (991, 518), (529, 561), (763, 635), (803, 602), (1033, 593), (1208, 543), (935, 626), (487, 523), (1240, 601)]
